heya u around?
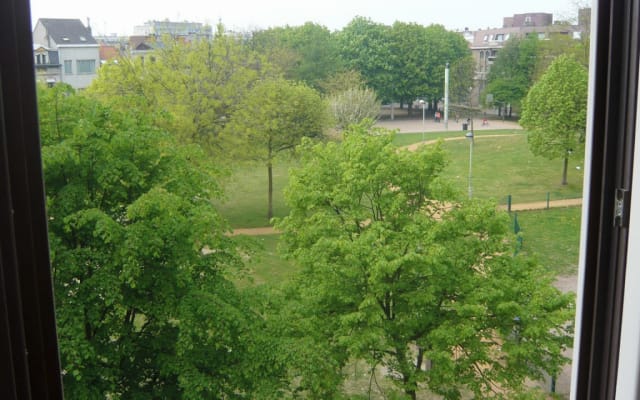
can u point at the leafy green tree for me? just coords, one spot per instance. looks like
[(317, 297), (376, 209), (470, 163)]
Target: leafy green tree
[(411, 280), (306, 53), (555, 110), (272, 119), (365, 46), (194, 85), (141, 262), (354, 106), (556, 45), (512, 73), (420, 56), (341, 81)]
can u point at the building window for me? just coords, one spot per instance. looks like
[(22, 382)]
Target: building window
[(86, 66), (68, 69), (500, 37), (41, 59)]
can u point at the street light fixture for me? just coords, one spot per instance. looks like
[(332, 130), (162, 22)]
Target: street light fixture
[(422, 103), (469, 136)]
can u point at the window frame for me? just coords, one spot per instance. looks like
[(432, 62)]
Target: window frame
[(68, 67), (30, 367), (81, 71)]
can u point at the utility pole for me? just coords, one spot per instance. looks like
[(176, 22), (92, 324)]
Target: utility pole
[(446, 97)]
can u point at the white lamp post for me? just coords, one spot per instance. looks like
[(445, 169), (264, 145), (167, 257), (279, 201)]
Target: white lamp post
[(446, 97), (422, 103), (469, 136)]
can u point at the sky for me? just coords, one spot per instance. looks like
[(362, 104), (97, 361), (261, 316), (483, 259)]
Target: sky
[(120, 16)]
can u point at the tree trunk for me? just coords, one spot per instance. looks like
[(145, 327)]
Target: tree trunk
[(270, 206), (564, 170)]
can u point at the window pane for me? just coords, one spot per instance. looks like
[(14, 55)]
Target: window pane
[(86, 66), (67, 67)]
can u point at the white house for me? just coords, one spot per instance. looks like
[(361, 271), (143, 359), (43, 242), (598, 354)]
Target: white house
[(78, 53)]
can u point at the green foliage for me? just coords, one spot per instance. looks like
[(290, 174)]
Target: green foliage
[(420, 55), (306, 53), (557, 45), (272, 119), (196, 85), (405, 61), (341, 81), (353, 106), (512, 73), (140, 262), (397, 272), (555, 109), (365, 46)]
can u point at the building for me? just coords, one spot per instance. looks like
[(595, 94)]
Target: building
[(187, 30), (486, 43), (65, 51)]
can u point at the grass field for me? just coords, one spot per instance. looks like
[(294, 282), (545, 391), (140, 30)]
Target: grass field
[(552, 235), (404, 139), (245, 205), (501, 166)]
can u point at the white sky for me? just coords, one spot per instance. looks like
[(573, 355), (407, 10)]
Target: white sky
[(120, 16)]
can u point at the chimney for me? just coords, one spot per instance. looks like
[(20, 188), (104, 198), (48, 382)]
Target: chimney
[(89, 26)]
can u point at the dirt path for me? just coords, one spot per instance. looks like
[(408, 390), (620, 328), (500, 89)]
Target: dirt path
[(539, 205), (414, 146)]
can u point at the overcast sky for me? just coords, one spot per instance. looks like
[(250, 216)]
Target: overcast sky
[(120, 16)]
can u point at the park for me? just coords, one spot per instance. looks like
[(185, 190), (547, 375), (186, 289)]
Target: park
[(422, 255), (549, 216)]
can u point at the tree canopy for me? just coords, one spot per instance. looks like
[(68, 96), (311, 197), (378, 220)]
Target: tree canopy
[(195, 86), (272, 119), (401, 274), (512, 73), (141, 263), (306, 53), (555, 110)]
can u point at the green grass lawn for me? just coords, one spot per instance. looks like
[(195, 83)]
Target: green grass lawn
[(553, 236), (245, 205), (268, 266), (405, 139), (501, 166)]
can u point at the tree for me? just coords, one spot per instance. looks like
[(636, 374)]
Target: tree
[(353, 106), (272, 119), (194, 85), (420, 55), (307, 53), (512, 73), (554, 112), (410, 279), (365, 46), (141, 261)]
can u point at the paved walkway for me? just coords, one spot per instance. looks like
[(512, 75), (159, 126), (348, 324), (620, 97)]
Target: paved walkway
[(406, 125)]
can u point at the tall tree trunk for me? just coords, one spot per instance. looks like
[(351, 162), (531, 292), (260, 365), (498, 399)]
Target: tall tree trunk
[(270, 206), (406, 372), (564, 170)]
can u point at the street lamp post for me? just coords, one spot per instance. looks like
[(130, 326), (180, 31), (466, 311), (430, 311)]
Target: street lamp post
[(422, 103), (446, 97), (469, 136)]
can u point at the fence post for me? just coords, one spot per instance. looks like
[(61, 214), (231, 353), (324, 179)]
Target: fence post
[(548, 195), (509, 203)]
